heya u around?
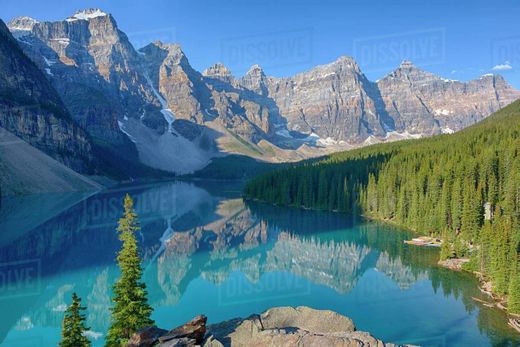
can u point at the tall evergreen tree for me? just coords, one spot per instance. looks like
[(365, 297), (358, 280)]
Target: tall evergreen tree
[(73, 326), (131, 310), (513, 303)]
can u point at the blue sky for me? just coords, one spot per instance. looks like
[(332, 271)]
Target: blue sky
[(455, 39)]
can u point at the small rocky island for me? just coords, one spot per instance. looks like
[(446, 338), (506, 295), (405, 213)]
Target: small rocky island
[(279, 326)]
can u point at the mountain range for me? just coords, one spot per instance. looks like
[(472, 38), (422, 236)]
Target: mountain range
[(99, 104)]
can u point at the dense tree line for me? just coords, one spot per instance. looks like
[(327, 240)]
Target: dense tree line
[(439, 186)]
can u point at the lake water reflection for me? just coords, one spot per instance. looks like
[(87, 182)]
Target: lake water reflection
[(207, 251)]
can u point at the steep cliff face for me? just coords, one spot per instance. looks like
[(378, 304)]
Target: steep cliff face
[(214, 96), (172, 76), (423, 103), (95, 70), (333, 101), (31, 109)]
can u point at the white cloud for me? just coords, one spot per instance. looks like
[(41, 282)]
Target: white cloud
[(505, 66)]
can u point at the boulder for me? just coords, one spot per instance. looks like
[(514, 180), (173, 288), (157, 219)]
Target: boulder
[(182, 335), (288, 326), (322, 321), (146, 337), (279, 326)]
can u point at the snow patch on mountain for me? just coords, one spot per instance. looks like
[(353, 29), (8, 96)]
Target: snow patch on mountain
[(62, 40), (329, 141), (405, 135), (284, 133), (86, 14), (22, 23), (441, 112), (122, 128), (48, 62), (169, 117)]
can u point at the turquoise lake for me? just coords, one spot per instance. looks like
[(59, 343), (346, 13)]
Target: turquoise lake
[(207, 251)]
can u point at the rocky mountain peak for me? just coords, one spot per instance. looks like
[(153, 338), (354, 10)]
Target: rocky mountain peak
[(255, 70), (174, 50), (22, 23), (346, 62), (217, 70), (87, 14), (344, 59), (490, 76), (407, 71), (255, 80), (407, 67), (342, 65), (170, 54)]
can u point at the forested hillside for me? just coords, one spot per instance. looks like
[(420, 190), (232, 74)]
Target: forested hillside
[(440, 186)]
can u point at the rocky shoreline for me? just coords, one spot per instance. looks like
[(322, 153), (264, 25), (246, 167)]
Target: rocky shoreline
[(486, 288), (279, 326)]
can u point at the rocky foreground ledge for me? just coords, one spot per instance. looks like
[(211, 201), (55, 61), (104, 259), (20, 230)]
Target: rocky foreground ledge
[(279, 326)]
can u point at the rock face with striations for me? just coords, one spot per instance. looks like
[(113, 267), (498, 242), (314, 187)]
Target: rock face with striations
[(171, 74), (333, 101), (280, 326), (150, 106), (95, 69), (31, 109), (213, 98), (420, 102)]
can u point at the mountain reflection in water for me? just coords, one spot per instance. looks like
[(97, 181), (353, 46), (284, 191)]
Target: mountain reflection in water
[(207, 251)]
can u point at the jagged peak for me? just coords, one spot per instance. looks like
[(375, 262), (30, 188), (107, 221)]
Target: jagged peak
[(255, 70), (22, 23), (172, 50), (495, 78), (344, 61), (170, 47), (218, 69), (87, 14), (406, 69)]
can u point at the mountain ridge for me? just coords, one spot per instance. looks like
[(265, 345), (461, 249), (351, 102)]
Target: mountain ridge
[(152, 103)]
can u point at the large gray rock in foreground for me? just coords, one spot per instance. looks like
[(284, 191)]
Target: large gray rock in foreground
[(280, 326), (288, 326)]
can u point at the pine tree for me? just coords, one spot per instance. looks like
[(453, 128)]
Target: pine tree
[(73, 327), (471, 211), (446, 252), (131, 310), (513, 303)]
